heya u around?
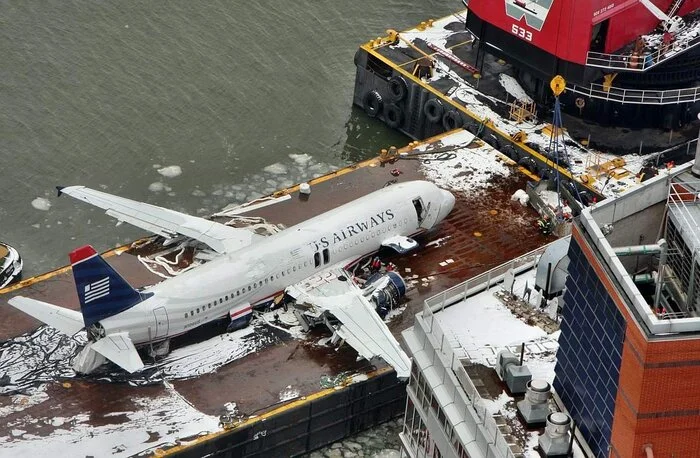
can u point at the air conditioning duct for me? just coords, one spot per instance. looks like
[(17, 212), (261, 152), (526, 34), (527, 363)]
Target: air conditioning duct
[(534, 408), (512, 372), (555, 441)]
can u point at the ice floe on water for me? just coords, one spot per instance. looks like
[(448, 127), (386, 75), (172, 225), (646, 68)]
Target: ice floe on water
[(158, 187), (170, 171), (41, 203), (276, 169), (299, 168)]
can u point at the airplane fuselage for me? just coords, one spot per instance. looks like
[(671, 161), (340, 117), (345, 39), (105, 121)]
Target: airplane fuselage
[(232, 283)]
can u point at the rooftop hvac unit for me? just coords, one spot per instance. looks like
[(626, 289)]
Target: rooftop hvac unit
[(555, 441), (510, 370), (534, 408)]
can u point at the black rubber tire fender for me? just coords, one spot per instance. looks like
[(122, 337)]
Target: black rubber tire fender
[(433, 110), (393, 115), (398, 88), (452, 120), (373, 103)]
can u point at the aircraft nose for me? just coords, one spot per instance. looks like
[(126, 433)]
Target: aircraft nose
[(448, 203)]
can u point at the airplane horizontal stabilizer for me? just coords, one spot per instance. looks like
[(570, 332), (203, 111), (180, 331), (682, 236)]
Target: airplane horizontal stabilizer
[(65, 320), (119, 349), (400, 244)]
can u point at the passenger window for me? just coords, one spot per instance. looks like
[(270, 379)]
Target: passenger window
[(249, 288), (185, 314), (294, 268), (255, 285), (272, 278), (260, 284), (326, 256), (221, 301), (227, 297), (317, 259), (266, 281), (197, 309)]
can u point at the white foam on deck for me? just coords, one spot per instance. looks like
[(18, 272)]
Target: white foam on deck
[(482, 326), (481, 105), (169, 417), (514, 88), (470, 171)]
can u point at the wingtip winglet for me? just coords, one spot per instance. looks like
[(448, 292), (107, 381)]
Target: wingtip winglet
[(59, 189)]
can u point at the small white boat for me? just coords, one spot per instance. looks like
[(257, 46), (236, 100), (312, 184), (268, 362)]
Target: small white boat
[(10, 265)]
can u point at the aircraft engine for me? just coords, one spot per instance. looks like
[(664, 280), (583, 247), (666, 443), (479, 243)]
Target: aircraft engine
[(384, 290)]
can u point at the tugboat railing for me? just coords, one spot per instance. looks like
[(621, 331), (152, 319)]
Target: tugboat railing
[(629, 63), (638, 96)]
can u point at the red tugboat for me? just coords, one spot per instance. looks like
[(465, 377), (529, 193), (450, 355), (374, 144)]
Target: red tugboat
[(619, 57)]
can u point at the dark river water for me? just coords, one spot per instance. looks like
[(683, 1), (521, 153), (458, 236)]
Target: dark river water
[(190, 105)]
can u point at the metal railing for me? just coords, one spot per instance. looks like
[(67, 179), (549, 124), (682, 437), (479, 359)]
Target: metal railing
[(643, 62), (455, 354), (638, 96)]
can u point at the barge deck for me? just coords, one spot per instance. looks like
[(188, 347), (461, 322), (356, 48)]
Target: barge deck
[(275, 391)]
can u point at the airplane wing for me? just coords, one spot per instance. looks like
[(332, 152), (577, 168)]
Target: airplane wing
[(163, 221), (65, 320), (360, 326), (119, 349)]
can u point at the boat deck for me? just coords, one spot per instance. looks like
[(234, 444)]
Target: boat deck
[(484, 230)]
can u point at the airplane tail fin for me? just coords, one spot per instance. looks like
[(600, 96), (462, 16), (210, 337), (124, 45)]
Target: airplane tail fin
[(101, 290)]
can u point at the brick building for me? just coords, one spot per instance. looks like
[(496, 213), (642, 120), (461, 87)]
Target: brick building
[(628, 365)]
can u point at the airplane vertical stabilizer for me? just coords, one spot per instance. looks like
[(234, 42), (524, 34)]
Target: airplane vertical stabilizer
[(101, 290)]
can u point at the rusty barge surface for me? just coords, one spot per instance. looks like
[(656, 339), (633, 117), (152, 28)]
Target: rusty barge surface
[(287, 395)]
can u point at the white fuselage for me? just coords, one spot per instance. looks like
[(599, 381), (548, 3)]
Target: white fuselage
[(259, 272)]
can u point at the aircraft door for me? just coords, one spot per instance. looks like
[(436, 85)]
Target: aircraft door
[(161, 320), (426, 212)]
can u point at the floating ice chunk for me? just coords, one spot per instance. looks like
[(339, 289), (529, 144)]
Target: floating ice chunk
[(240, 196), (217, 192), (276, 169), (156, 187), (199, 193), (300, 159), (170, 171), (41, 203)]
